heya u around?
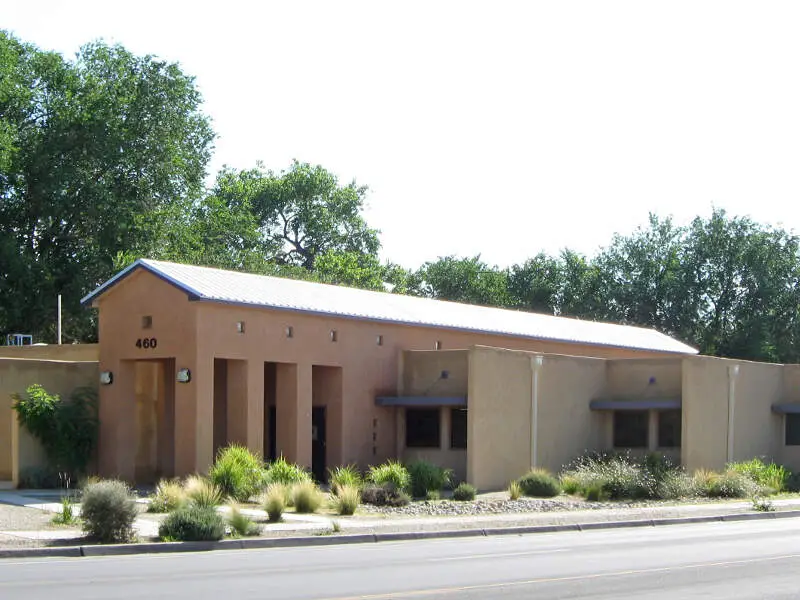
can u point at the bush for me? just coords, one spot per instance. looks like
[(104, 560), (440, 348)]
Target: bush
[(193, 523), (793, 483), (347, 500), (393, 473), (731, 485), (771, 476), (108, 511), (623, 477), (433, 496), (237, 472), (67, 431), (168, 496), (274, 502), (427, 477), (539, 484), (595, 493), (570, 485), (281, 471), (201, 492), (38, 478), (514, 490), (675, 484), (344, 476), (306, 497), (384, 495), (240, 523), (464, 492)]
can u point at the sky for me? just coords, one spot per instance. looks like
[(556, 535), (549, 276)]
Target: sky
[(495, 128)]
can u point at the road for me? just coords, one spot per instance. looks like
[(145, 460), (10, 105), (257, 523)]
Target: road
[(758, 559)]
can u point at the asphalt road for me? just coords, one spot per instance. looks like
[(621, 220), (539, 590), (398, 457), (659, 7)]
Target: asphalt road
[(759, 559)]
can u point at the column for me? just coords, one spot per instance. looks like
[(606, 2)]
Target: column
[(293, 403)]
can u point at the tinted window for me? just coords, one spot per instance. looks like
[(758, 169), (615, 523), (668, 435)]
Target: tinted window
[(669, 429), (458, 428), (422, 428), (793, 430), (630, 429)]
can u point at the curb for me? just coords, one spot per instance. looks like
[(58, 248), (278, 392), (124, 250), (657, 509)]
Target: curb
[(372, 538)]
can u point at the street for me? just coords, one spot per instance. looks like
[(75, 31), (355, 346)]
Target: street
[(759, 559)]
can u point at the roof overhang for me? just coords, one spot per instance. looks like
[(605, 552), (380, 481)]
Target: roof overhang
[(643, 404), (421, 401), (786, 408)]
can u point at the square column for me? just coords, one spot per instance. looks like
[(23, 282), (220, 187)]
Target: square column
[(245, 404), (293, 406)]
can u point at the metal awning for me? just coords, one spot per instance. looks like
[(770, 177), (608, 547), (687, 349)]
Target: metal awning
[(788, 408), (421, 401), (643, 404)]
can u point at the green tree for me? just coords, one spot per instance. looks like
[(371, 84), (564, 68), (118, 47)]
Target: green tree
[(88, 149), (468, 280)]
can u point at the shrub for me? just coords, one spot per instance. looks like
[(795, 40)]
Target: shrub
[(514, 490), (731, 484), (108, 511), (274, 502), (384, 495), (67, 431), (762, 504), (427, 477), (38, 478), (622, 476), (464, 492), (595, 493), (539, 484), (237, 472), (240, 523), (67, 514), (201, 492), (193, 523), (281, 471), (770, 475), (306, 497), (393, 473), (675, 484), (344, 476), (793, 483), (347, 500), (570, 485), (433, 495), (168, 496)]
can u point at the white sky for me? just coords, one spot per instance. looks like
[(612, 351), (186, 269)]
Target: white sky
[(499, 128)]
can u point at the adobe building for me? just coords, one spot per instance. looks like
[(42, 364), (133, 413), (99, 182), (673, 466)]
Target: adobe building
[(192, 359)]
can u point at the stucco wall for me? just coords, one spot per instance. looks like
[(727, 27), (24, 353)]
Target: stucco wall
[(705, 413), (67, 352), (631, 379), (18, 449), (757, 430)]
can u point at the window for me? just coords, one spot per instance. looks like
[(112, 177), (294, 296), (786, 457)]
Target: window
[(379, 340), (669, 429), (334, 335), (437, 345), (422, 428), (458, 428), (793, 429), (630, 429), (289, 332), (239, 326), (147, 322)]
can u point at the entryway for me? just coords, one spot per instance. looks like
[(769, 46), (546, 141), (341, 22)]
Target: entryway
[(154, 392)]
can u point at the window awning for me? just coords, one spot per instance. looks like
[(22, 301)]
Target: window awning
[(421, 401), (643, 404), (787, 408)]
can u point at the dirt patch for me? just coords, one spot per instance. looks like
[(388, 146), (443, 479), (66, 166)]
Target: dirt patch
[(20, 518)]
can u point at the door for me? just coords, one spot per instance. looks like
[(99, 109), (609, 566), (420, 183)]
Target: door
[(318, 444)]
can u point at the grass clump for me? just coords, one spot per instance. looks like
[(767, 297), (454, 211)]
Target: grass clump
[(770, 476), (344, 476), (237, 472), (193, 523), (433, 496), (67, 514), (427, 477), (241, 524), (306, 497), (384, 495), (570, 485), (347, 500), (514, 490), (464, 492), (169, 495), (392, 473), (108, 511), (275, 501), (539, 483), (201, 492), (282, 471), (730, 484)]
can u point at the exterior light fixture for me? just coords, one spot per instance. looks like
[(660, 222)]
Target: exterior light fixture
[(106, 378), (184, 376)]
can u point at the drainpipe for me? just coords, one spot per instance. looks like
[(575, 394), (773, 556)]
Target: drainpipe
[(536, 365), (733, 372)]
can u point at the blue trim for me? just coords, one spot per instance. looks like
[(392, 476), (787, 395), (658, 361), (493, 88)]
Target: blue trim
[(654, 404), (420, 401), (145, 264), (788, 408)]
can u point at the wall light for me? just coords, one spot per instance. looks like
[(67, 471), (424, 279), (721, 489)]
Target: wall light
[(106, 378), (184, 376)]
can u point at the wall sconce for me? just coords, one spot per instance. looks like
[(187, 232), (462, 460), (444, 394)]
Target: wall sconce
[(106, 378), (184, 376)]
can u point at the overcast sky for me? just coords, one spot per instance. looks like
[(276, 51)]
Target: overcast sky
[(499, 128)]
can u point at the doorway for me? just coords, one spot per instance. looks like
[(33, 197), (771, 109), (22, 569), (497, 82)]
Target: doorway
[(154, 394), (318, 465)]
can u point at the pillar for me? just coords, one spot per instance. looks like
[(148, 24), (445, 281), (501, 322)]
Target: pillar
[(293, 403)]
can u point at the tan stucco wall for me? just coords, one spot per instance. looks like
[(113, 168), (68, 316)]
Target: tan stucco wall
[(630, 379), (18, 449), (67, 352), (705, 413), (757, 430)]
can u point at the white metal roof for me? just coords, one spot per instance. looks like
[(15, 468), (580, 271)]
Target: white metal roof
[(216, 285)]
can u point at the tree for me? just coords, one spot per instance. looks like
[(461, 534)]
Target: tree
[(88, 150), (536, 284), (467, 280), (302, 213)]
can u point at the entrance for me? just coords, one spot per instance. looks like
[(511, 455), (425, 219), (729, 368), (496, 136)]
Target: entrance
[(154, 393), (318, 444)]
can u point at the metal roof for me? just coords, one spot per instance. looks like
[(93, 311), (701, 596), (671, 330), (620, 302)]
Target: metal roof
[(216, 285)]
